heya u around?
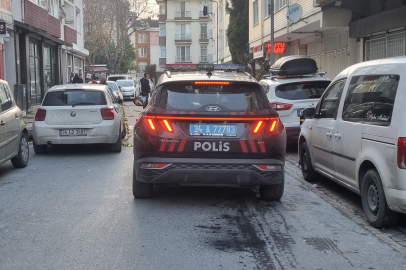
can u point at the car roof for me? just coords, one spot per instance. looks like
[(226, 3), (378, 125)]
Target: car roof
[(216, 75), (86, 86), (111, 81)]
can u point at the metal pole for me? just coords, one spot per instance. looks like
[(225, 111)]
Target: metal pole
[(217, 39), (272, 54)]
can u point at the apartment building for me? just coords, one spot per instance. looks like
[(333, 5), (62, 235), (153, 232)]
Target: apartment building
[(48, 45), (221, 19), (184, 35)]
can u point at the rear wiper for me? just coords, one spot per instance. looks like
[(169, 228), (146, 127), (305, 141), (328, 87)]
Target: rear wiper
[(83, 103)]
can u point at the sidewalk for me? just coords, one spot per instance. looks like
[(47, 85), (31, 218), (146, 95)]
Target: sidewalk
[(28, 117)]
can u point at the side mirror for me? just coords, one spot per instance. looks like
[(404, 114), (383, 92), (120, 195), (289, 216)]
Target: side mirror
[(308, 113)]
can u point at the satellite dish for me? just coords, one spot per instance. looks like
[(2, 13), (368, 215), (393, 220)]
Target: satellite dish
[(295, 12)]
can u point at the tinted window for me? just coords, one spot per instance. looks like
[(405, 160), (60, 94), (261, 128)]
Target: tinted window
[(328, 106), (125, 83), (301, 90), (370, 99), (115, 78), (189, 97), (5, 98), (74, 97), (112, 86)]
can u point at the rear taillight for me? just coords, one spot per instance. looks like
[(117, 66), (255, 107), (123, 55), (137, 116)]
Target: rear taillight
[(40, 115), (166, 125), (281, 106), (154, 165), (107, 113), (402, 153), (150, 124), (273, 125), (258, 127)]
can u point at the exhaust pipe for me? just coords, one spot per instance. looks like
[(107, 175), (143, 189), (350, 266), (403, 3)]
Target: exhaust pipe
[(49, 143)]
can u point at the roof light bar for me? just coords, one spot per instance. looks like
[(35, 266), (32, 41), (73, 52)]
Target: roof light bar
[(211, 83), (205, 66)]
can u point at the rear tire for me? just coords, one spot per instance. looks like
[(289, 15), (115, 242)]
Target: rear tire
[(141, 189), (21, 160), (116, 147), (309, 174), (40, 149), (374, 203), (272, 192)]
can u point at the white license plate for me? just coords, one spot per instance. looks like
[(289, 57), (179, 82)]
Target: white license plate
[(72, 132)]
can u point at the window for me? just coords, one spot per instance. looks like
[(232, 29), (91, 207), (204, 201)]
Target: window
[(183, 32), (78, 21), (301, 90), (255, 14), (182, 9), (183, 54), (141, 66), (328, 106), (142, 38), (163, 51), (203, 53), (69, 98), (70, 15), (162, 8), (78, 65), (279, 4), (142, 52), (5, 98), (202, 5), (370, 99), (266, 8), (203, 31), (162, 30)]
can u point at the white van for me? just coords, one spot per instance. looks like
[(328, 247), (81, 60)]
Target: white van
[(356, 136)]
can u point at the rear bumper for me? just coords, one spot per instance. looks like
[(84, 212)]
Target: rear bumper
[(128, 94), (213, 172)]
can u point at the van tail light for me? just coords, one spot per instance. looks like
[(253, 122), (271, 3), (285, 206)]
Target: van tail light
[(107, 113), (402, 153), (166, 125), (281, 106), (40, 115)]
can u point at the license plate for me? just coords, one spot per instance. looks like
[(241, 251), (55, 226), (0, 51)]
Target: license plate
[(72, 132), (299, 112), (213, 130)]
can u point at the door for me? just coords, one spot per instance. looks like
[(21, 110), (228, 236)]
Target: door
[(35, 69), (7, 119), (323, 128)]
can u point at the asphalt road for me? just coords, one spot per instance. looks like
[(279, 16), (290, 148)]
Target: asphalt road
[(73, 209)]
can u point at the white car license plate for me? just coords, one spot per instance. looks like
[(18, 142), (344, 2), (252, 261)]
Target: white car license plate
[(72, 132)]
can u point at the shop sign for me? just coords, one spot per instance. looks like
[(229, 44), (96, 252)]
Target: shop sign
[(257, 51), (279, 47)]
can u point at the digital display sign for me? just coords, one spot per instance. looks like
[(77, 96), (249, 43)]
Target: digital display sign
[(279, 47)]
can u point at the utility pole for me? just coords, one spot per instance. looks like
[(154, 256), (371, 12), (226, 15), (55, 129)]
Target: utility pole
[(272, 53)]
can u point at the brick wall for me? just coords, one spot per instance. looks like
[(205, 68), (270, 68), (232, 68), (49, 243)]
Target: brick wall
[(54, 26), (41, 19), (70, 35)]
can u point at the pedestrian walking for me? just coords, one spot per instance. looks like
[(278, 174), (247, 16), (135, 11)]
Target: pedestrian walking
[(72, 75), (76, 79), (145, 88), (103, 80), (80, 78)]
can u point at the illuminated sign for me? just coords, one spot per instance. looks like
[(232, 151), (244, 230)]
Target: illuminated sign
[(279, 47)]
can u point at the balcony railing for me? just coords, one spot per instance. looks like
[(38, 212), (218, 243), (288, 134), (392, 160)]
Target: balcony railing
[(182, 14), (203, 58), (203, 35), (201, 14), (183, 58), (183, 36)]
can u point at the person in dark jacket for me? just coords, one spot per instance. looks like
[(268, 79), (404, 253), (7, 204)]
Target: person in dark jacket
[(103, 80), (80, 78), (76, 79), (145, 88)]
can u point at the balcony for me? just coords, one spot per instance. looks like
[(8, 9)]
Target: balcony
[(202, 16), (38, 17), (70, 34), (203, 58), (183, 36), (183, 58), (182, 14)]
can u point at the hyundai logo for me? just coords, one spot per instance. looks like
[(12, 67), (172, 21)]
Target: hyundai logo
[(213, 108), (73, 113)]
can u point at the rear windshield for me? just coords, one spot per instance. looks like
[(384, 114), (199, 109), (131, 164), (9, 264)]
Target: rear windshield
[(187, 96), (125, 83), (74, 97), (301, 90), (112, 86)]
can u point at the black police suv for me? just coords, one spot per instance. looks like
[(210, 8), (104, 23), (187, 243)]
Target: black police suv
[(209, 127)]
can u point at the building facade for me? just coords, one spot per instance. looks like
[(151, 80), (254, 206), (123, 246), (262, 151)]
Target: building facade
[(48, 45), (221, 19), (184, 36)]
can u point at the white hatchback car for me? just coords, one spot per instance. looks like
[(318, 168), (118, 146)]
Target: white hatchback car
[(127, 88), (78, 114), (356, 136), (289, 95)]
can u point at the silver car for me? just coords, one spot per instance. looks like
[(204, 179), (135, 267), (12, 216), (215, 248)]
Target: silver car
[(78, 114), (127, 88), (116, 89), (13, 132)]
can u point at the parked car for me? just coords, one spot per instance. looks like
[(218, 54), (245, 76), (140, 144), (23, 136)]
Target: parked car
[(116, 89), (200, 129), (13, 131), (127, 88), (356, 136), (294, 84), (119, 77), (78, 114)]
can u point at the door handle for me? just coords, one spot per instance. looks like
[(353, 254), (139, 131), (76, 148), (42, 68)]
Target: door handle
[(338, 136), (16, 115), (2, 123), (329, 134)]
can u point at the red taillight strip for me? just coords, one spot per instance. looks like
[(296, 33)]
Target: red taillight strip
[(273, 125), (151, 124), (258, 127), (212, 83), (167, 126), (216, 118)]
